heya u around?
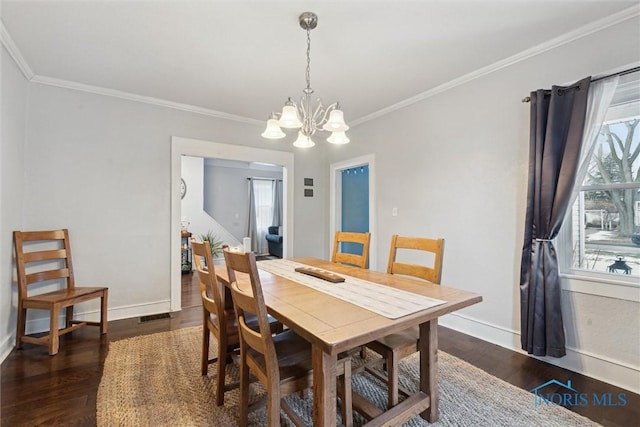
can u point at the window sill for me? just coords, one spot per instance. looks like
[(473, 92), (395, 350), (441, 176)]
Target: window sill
[(627, 288)]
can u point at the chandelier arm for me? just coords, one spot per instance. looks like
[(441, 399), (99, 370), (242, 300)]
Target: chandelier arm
[(326, 112)]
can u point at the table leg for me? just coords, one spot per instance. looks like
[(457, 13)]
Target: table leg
[(429, 367), (324, 388)]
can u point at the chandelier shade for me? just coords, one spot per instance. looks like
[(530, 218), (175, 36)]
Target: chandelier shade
[(305, 116), (273, 130), (303, 141)]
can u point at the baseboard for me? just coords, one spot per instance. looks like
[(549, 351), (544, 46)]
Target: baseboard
[(6, 346), (596, 366), (41, 324)]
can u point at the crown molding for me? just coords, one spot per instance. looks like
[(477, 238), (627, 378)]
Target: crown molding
[(576, 34), (15, 53), (51, 81)]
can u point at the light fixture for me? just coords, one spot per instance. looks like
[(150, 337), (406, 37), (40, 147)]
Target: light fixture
[(304, 116)]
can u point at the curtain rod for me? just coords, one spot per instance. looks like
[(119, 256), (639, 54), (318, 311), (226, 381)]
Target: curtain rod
[(619, 73), (262, 178)]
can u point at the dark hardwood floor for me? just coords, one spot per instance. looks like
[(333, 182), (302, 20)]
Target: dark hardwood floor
[(37, 389)]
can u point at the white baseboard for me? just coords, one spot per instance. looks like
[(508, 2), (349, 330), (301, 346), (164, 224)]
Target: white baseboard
[(41, 324), (596, 366)]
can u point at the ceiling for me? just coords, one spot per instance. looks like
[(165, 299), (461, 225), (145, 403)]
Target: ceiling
[(244, 58)]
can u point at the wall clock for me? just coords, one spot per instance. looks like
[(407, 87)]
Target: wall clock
[(183, 188)]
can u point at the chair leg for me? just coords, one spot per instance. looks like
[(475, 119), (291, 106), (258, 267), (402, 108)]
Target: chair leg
[(205, 348), (54, 337), (22, 317), (273, 405), (104, 300), (69, 316), (392, 377), (243, 404), (222, 365)]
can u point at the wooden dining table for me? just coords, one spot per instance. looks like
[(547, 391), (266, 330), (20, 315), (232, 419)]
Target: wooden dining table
[(333, 325)]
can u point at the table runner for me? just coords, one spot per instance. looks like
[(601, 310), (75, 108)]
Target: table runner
[(383, 300)]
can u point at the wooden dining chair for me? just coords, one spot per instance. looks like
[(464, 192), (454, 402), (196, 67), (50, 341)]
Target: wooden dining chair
[(218, 318), (42, 259), (397, 346), (362, 239), (281, 362)]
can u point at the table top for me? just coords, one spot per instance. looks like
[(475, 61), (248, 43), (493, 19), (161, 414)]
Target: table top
[(336, 325)]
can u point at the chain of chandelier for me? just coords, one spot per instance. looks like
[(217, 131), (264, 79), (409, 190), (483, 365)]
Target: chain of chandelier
[(303, 115)]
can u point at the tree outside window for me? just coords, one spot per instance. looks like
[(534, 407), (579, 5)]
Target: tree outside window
[(606, 216)]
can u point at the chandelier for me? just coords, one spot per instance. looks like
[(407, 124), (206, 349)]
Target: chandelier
[(304, 116)]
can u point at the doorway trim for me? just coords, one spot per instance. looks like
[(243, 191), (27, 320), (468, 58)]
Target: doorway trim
[(335, 202), (199, 148)]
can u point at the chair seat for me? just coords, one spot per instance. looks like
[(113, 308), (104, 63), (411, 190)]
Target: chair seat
[(400, 339), (67, 295), (293, 352), (275, 238)]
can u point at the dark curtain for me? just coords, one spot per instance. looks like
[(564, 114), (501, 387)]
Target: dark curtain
[(557, 123)]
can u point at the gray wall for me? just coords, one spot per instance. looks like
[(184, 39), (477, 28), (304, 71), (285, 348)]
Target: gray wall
[(13, 118), (226, 193), (455, 166)]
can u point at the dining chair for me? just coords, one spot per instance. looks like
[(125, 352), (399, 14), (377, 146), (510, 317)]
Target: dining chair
[(362, 239), (397, 346), (281, 362), (218, 318), (45, 257)]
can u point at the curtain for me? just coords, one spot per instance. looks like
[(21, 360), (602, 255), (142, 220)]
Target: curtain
[(600, 97), (556, 130), (260, 213), (277, 203)]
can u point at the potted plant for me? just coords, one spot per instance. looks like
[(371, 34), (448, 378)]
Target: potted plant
[(214, 242)]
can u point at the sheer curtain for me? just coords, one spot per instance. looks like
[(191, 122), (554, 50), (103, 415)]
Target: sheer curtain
[(600, 96), (260, 213), (277, 203)]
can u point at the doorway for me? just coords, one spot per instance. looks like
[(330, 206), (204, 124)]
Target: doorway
[(352, 200), (206, 149)]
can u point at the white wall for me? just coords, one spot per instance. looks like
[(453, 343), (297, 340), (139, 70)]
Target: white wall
[(13, 94), (455, 166)]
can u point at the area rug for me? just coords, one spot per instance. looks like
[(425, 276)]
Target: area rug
[(154, 380)]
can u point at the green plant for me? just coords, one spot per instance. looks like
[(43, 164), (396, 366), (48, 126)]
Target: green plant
[(214, 242)]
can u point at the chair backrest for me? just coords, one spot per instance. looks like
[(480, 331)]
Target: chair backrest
[(49, 258), (347, 258), (248, 300), (436, 246), (211, 290)]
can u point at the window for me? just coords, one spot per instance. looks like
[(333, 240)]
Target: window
[(604, 224)]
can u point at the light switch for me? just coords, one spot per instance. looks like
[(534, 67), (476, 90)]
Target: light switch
[(394, 212)]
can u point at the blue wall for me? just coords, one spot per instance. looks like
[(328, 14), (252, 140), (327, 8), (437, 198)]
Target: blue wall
[(355, 204)]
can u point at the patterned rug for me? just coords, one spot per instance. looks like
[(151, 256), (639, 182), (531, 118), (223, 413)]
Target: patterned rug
[(154, 380)]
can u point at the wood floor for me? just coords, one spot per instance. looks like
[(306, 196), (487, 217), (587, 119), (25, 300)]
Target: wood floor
[(37, 389)]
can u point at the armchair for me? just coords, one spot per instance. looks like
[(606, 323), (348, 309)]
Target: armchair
[(274, 241)]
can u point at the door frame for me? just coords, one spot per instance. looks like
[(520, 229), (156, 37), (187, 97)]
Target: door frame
[(199, 148), (335, 202)]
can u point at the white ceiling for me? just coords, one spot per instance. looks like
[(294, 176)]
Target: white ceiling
[(245, 57)]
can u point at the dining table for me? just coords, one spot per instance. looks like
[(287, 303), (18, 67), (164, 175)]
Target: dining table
[(339, 317)]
